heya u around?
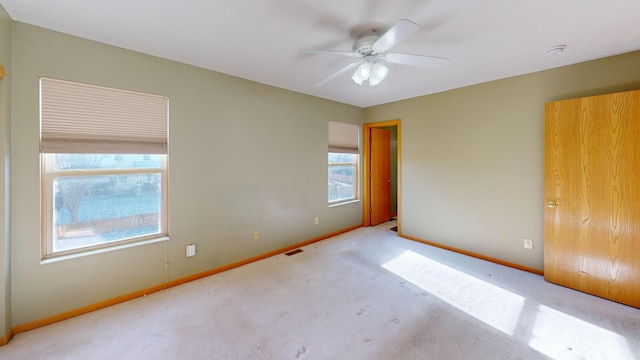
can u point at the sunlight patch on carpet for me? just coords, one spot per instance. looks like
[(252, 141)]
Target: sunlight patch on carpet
[(562, 336), (486, 302)]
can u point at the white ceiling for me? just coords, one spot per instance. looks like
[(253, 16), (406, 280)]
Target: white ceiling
[(262, 40)]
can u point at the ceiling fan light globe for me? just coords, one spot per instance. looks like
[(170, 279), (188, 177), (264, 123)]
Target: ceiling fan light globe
[(362, 73), (374, 80), (357, 78), (364, 70), (379, 71)]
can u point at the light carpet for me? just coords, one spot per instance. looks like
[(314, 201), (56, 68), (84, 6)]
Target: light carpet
[(366, 294)]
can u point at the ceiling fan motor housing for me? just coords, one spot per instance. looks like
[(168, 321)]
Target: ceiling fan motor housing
[(364, 45)]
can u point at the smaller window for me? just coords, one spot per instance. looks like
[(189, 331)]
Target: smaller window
[(343, 177), (343, 162)]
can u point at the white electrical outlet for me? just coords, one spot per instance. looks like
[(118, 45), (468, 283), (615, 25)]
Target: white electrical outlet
[(191, 250), (256, 235), (316, 221), (528, 244)]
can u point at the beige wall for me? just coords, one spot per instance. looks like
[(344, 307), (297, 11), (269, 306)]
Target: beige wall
[(472, 158), (5, 141), (243, 157)]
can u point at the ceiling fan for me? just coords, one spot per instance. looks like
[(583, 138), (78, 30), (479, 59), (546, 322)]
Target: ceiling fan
[(371, 48)]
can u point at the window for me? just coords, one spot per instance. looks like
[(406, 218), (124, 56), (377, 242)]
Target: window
[(104, 167), (343, 162), (343, 177)]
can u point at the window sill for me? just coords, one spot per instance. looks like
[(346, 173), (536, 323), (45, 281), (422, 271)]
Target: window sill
[(344, 203), (56, 259)]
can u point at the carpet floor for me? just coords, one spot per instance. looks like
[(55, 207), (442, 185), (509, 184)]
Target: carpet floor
[(365, 294)]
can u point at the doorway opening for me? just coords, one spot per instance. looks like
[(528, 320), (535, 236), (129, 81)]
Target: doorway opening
[(381, 173)]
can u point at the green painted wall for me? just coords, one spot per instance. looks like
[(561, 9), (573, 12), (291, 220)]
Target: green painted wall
[(393, 162), (5, 143), (243, 156), (246, 156), (473, 158)]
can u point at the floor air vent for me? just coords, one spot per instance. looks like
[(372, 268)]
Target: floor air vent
[(293, 252)]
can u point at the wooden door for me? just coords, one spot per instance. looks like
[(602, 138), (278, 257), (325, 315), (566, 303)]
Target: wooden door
[(592, 195), (380, 176)]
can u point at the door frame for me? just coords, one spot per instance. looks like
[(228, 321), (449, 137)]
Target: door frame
[(366, 169)]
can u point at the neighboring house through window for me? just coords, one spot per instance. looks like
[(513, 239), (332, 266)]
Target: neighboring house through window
[(343, 162), (104, 167)]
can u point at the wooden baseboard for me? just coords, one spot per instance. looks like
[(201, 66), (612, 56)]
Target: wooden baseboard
[(5, 339), (85, 309), (475, 255), (120, 299)]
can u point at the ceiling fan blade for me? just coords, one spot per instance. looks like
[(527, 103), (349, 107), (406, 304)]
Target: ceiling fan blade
[(338, 73), (417, 60), (398, 32), (330, 52)]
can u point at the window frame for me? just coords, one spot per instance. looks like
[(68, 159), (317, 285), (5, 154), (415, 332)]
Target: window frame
[(49, 174)]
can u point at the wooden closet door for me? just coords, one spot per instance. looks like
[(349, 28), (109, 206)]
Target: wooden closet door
[(592, 195), (380, 175)]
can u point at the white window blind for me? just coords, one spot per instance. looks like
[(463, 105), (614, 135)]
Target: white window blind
[(87, 119), (343, 138)]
